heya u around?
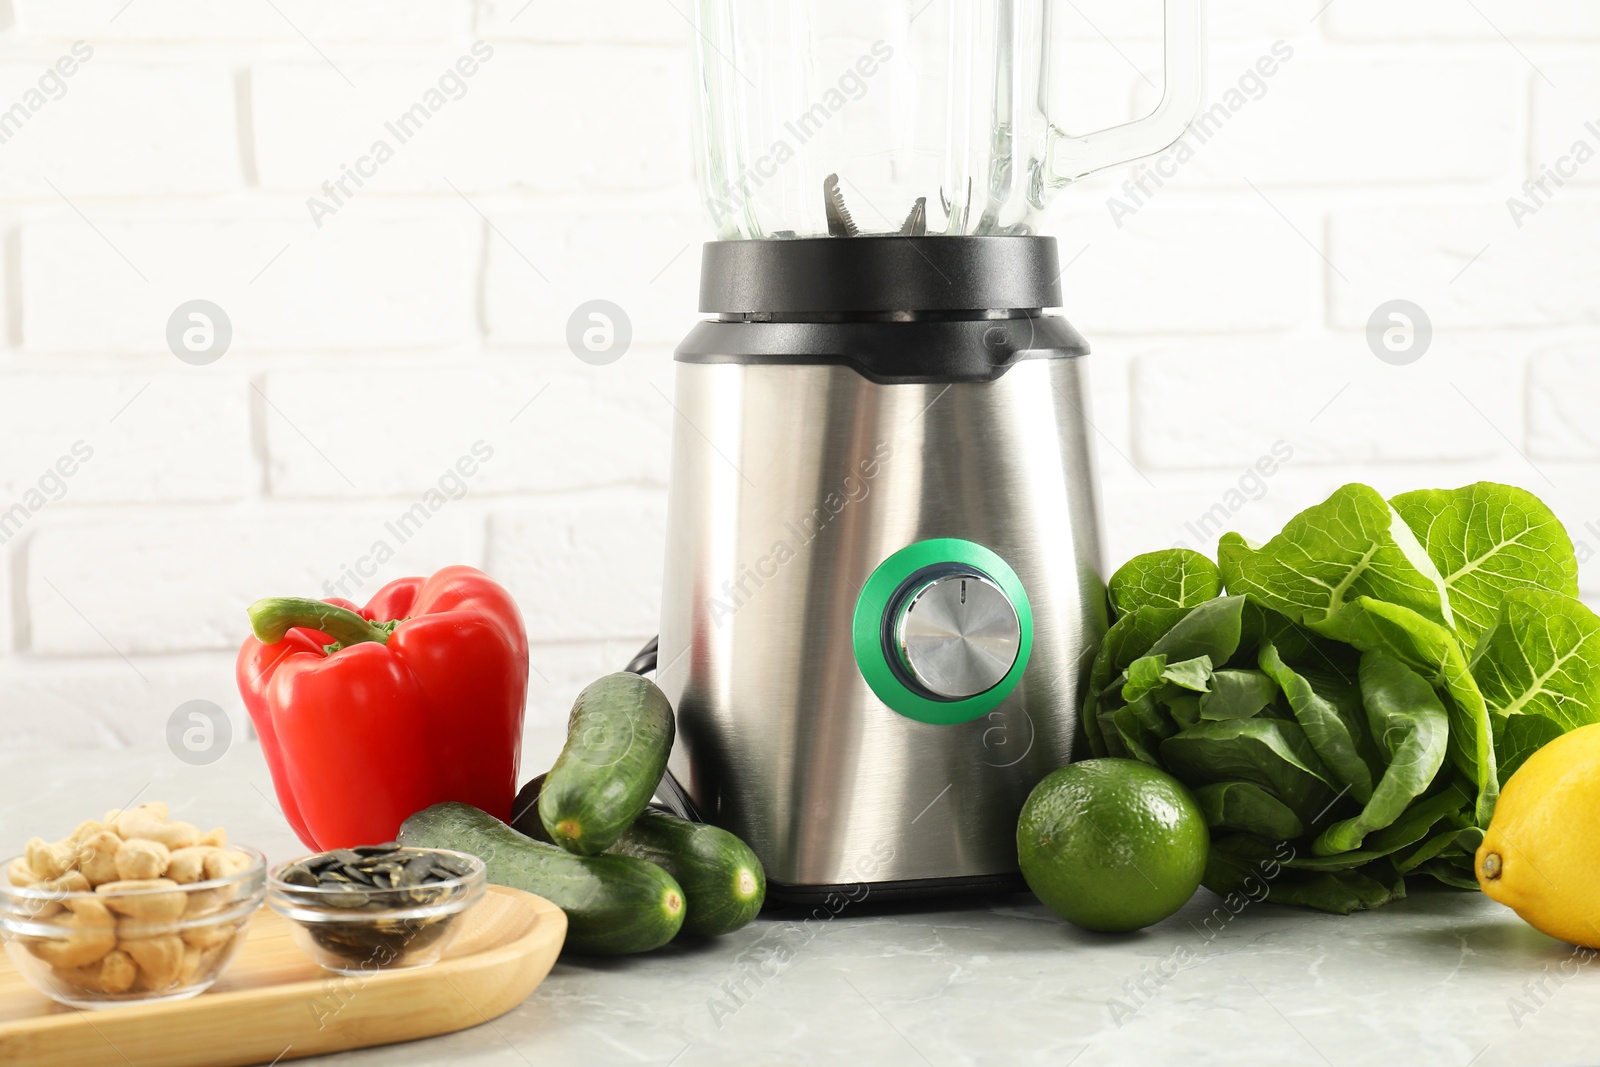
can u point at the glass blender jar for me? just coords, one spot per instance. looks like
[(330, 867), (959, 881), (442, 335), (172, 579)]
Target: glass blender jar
[(883, 579), (912, 117)]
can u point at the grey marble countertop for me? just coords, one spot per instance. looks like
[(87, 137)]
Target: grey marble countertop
[(1441, 978)]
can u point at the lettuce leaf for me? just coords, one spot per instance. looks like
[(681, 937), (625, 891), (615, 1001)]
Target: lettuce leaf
[(1488, 540), (1173, 578), (1432, 651), (1138, 729), (1254, 866), (1408, 721), (1343, 892), (1443, 809), (1129, 638), (1332, 720), (1246, 807), (1194, 675), (1237, 695), (1539, 671), (1350, 546), (1212, 629), (1271, 753)]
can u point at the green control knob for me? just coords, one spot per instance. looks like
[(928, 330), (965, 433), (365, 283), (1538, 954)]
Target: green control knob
[(943, 631)]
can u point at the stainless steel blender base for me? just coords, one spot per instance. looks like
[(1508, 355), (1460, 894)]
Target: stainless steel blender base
[(791, 484)]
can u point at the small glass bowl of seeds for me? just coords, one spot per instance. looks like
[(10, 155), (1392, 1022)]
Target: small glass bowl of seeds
[(376, 907)]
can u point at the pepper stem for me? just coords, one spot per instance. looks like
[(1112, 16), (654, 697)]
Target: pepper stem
[(274, 617)]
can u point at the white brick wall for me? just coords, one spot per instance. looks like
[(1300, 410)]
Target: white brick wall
[(583, 568), (496, 130), (371, 352), (1358, 121), (149, 436), (617, 22), (1544, 274), (169, 129), (1563, 382), (202, 22), (324, 424), (1229, 265), (359, 282), (1427, 21), (1327, 399), (539, 268)]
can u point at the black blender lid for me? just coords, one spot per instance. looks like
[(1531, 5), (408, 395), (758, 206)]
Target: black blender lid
[(869, 275)]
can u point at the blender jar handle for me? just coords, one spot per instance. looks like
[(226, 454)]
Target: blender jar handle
[(1074, 156)]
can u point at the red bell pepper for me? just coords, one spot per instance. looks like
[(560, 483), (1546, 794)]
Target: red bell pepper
[(367, 715)]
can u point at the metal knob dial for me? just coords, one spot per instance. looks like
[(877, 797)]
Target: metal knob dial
[(957, 635)]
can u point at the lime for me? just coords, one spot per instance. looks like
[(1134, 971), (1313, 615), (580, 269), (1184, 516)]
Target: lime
[(1112, 844)]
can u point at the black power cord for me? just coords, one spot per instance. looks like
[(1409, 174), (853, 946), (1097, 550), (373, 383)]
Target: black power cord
[(645, 661)]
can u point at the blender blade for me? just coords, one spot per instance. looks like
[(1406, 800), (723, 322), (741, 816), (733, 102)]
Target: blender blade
[(840, 224), (916, 224)]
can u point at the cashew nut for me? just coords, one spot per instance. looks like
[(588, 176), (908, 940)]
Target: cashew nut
[(71, 882), (189, 969), (117, 972), (156, 808), (20, 873), (205, 901), (160, 960), (204, 937), (149, 822), (216, 838), (97, 857), (179, 835), (92, 935), (146, 907), (226, 863), (213, 959), (86, 830), (188, 864), (47, 860), (140, 859)]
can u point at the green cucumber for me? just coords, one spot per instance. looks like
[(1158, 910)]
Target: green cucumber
[(525, 811), (722, 879), (618, 740), (614, 904)]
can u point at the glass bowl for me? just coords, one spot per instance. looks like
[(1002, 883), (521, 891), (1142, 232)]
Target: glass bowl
[(100, 950), (356, 930)]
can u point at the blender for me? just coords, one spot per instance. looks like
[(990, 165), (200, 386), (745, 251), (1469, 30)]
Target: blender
[(883, 570)]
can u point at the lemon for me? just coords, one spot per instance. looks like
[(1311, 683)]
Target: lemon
[(1112, 844), (1541, 856)]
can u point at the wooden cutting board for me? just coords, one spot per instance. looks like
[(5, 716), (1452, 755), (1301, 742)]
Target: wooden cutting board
[(274, 1003)]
